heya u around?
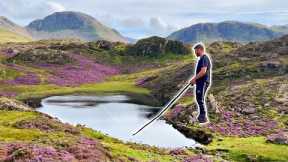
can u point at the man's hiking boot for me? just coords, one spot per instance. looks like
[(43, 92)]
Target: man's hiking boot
[(202, 120)]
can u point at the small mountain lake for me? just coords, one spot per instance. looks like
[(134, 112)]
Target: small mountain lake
[(116, 116)]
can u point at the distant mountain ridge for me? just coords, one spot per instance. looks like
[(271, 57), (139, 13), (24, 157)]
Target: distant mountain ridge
[(77, 25), (70, 24), (225, 31), (11, 26), (11, 32), (280, 28)]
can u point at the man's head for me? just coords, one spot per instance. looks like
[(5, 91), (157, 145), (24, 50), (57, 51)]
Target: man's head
[(199, 49)]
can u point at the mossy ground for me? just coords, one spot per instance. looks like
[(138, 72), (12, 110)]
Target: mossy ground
[(247, 149)]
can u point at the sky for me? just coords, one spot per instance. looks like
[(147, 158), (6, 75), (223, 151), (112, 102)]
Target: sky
[(143, 18)]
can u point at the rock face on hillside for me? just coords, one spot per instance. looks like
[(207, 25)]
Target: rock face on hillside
[(157, 46), (271, 55), (224, 31), (41, 56), (269, 49), (69, 24)]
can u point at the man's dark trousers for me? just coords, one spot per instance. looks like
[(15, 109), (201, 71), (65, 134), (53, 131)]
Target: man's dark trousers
[(201, 89)]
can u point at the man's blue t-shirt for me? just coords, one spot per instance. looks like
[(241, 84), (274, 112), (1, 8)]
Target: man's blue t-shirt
[(204, 61)]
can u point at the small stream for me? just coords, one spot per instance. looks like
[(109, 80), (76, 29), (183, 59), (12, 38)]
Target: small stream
[(115, 116)]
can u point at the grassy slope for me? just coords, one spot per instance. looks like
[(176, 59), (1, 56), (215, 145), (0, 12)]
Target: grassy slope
[(9, 133), (7, 36), (226, 91), (241, 149)]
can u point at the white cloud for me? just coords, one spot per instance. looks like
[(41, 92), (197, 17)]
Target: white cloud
[(55, 6), (150, 17), (157, 24), (132, 22), (160, 27), (28, 9)]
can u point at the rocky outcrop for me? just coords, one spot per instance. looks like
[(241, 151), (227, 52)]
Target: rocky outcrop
[(180, 117), (41, 56), (197, 134), (157, 46), (278, 138), (12, 104), (214, 105)]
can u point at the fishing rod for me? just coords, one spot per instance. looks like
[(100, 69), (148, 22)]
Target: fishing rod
[(179, 94)]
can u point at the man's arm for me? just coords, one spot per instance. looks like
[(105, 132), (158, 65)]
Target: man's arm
[(199, 75)]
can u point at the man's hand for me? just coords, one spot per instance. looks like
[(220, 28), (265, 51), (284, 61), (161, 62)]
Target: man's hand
[(199, 75), (193, 81)]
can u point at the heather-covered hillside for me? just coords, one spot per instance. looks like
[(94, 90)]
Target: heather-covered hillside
[(247, 100)]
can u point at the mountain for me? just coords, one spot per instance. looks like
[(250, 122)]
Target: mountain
[(11, 32), (225, 31), (280, 28), (70, 24)]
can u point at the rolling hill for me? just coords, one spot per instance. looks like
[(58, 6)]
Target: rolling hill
[(11, 32), (70, 24), (225, 31)]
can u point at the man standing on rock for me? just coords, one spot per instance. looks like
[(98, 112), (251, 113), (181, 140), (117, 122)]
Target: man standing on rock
[(202, 79)]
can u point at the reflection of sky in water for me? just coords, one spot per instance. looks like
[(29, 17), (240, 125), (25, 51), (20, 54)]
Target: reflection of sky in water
[(117, 119)]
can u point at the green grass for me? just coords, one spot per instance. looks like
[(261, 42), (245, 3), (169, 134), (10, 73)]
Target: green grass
[(7, 74), (187, 100), (13, 134), (10, 117), (119, 57), (150, 72), (120, 149), (59, 139), (8, 133), (39, 91), (241, 148)]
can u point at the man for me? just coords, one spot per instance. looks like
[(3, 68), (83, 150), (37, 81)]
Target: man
[(202, 79)]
